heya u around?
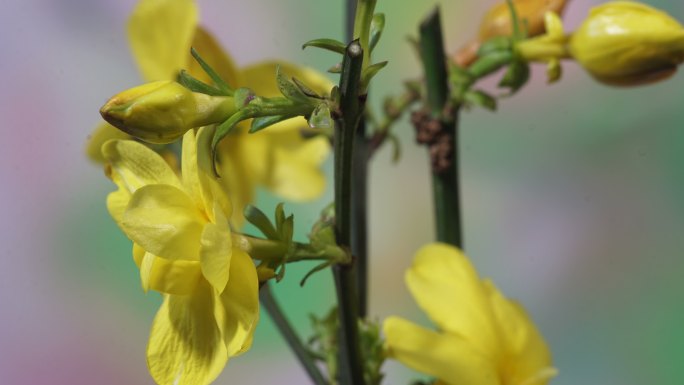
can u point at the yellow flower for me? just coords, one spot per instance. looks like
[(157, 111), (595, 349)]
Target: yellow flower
[(497, 22), (183, 247), (485, 338), (162, 111), (628, 43), (161, 33)]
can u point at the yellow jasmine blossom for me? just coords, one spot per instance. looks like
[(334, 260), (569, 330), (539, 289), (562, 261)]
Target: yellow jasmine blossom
[(628, 43), (497, 22), (484, 338), (161, 33), (162, 111), (183, 247)]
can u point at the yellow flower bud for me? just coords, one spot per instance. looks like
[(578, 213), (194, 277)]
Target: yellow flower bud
[(497, 22), (161, 112), (628, 43)]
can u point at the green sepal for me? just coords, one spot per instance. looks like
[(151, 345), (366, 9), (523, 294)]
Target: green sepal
[(243, 96), (479, 98), (221, 131), (279, 216), (489, 64), (369, 72), (327, 44), (495, 44), (517, 74), (305, 89), (313, 271), (220, 83), (260, 221), (320, 117), (287, 229), (376, 28), (518, 34), (188, 81), (289, 89), (260, 123)]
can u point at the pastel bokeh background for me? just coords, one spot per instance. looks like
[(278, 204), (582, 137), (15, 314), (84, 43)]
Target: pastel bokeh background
[(573, 197)]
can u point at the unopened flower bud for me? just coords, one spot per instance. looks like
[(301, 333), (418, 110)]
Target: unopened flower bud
[(161, 112), (628, 43)]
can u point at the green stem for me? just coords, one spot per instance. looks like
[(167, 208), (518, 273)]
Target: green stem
[(269, 249), (351, 106), (445, 182), (302, 353)]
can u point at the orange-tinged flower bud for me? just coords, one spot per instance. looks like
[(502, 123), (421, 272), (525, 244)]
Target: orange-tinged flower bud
[(497, 22), (161, 112), (628, 43)]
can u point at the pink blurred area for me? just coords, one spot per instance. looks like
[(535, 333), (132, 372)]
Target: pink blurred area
[(572, 197)]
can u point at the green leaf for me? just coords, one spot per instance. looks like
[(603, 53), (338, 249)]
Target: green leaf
[(320, 117), (328, 44), (220, 83), (289, 89), (480, 98), (260, 221), (516, 76), (305, 89), (260, 123), (370, 71), (376, 28), (195, 85)]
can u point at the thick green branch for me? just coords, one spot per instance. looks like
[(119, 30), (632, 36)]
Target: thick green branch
[(351, 107), (445, 180)]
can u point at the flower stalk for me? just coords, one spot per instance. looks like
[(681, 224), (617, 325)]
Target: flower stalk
[(445, 180)]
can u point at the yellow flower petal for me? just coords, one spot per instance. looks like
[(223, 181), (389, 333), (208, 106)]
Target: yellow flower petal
[(160, 33), (189, 172), (261, 77), (211, 51), (186, 346), (137, 165), (103, 132), (117, 201), (448, 289), (138, 254), (445, 356), (521, 340), (164, 221), (169, 276), (240, 302), (216, 250)]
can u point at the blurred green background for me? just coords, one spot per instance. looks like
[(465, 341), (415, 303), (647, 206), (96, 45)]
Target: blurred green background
[(572, 196)]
